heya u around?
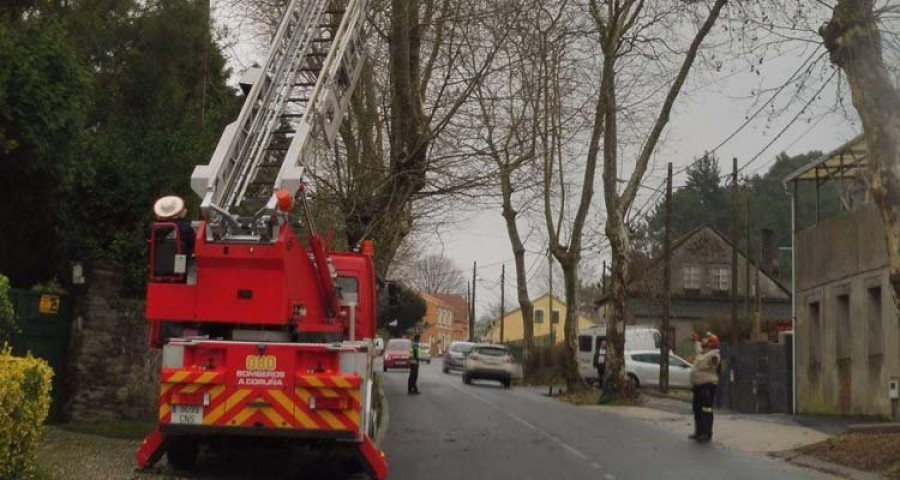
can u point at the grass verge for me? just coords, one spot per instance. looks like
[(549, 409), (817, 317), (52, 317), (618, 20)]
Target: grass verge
[(119, 430)]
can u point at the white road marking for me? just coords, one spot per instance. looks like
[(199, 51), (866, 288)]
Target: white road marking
[(524, 422)]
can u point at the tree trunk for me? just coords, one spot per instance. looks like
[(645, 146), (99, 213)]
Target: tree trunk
[(615, 383), (512, 229), (574, 382), (854, 42)]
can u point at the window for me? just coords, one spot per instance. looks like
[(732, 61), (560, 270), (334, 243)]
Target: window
[(398, 344), (674, 362), (815, 334), (721, 279), (554, 318), (647, 358), (692, 277), (444, 317), (493, 351), (842, 327), (584, 343), (347, 286), (538, 316), (873, 316)]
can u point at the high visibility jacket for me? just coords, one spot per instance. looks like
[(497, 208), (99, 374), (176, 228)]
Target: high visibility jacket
[(414, 353), (706, 368)]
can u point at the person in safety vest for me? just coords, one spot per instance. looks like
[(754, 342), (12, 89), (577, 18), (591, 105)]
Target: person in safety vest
[(705, 379), (411, 387)]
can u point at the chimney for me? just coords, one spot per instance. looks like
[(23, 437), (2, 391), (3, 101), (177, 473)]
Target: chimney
[(770, 261)]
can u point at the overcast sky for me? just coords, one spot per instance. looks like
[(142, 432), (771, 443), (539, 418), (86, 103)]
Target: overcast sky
[(713, 108)]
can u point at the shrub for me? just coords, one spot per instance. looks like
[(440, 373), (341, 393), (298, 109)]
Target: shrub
[(7, 315), (24, 404)]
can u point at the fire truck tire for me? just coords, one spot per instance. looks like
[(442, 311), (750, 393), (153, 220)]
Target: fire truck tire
[(181, 453)]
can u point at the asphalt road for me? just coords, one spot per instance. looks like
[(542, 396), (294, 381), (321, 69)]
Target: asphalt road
[(481, 431)]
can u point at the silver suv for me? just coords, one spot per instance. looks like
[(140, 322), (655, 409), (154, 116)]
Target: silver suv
[(490, 362), (455, 355)]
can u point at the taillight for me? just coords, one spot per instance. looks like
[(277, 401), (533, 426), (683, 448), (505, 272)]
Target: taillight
[(508, 359), (474, 356)]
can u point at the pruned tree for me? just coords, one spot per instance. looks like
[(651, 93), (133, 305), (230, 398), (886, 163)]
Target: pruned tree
[(503, 136), (855, 42), (637, 34)]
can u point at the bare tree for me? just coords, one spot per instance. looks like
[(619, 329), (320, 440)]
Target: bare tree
[(432, 274), (511, 101), (630, 31)]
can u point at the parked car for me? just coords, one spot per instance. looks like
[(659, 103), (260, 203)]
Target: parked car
[(455, 354), (425, 353), (490, 362), (636, 338), (642, 368), (396, 353)]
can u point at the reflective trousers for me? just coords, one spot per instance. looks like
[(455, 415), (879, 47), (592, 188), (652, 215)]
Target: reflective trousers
[(704, 399)]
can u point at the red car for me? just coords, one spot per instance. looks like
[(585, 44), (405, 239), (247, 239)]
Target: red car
[(396, 353)]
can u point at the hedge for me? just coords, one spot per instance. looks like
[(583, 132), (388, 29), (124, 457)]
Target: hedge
[(7, 315), (24, 404)]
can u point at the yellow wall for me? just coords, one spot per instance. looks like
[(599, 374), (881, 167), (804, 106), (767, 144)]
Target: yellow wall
[(512, 323)]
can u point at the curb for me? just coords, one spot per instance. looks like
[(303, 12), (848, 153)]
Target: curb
[(875, 428), (808, 461), (384, 418), (653, 393)]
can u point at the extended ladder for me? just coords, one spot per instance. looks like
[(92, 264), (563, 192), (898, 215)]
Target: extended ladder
[(306, 83)]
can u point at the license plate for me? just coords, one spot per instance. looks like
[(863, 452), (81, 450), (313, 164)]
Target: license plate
[(187, 414)]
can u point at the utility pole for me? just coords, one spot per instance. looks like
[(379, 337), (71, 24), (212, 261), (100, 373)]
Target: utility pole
[(734, 254), (469, 306), (472, 314), (667, 289), (758, 293), (502, 299), (747, 303)]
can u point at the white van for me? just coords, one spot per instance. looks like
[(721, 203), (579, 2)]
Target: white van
[(636, 338)]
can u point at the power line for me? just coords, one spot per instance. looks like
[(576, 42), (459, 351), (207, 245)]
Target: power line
[(789, 124)]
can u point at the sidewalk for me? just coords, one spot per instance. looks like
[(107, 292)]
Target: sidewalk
[(737, 431)]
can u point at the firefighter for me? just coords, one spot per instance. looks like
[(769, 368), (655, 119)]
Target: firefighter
[(412, 386), (704, 379), (172, 208)]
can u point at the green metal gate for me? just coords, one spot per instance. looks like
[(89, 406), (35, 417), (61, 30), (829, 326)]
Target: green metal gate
[(44, 324)]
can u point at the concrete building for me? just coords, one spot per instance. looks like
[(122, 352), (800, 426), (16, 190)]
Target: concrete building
[(847, 328), (446, 320), (701, 290), (549, 315)]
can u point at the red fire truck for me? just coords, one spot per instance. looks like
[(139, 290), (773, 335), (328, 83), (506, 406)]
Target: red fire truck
[(264, 333)]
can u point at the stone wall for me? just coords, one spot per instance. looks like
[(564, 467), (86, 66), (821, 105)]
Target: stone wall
[(113, 374)]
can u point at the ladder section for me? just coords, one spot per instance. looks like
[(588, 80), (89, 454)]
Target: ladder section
[(336, 74), (279, 96)]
